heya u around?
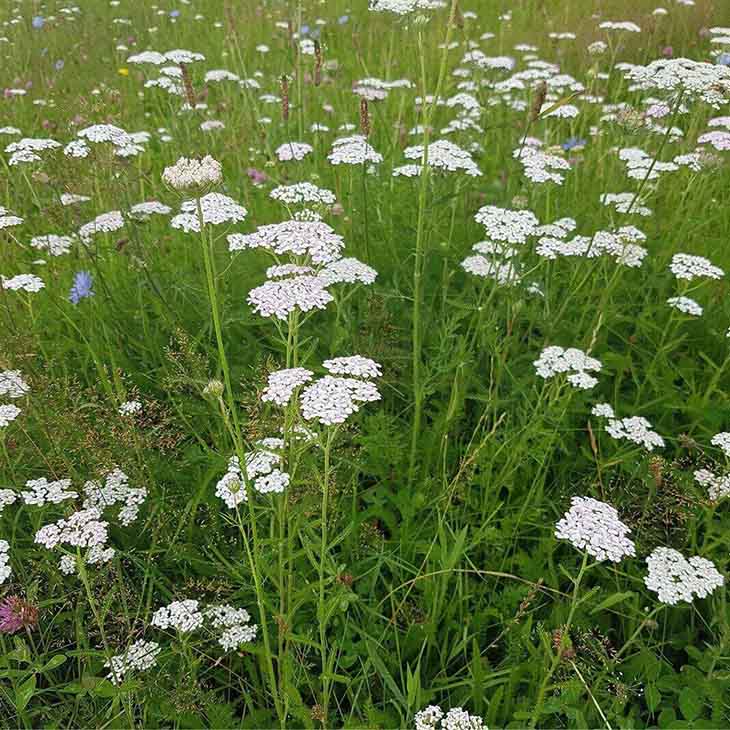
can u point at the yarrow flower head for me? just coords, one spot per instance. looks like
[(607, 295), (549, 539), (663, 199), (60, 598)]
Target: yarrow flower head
[(354, 150), (434, 718), (595, 527), (555, 360), (687, 267), (12, 384), (674, 578), (183, 616), (508, 226), (188, 173), (215, 209), (636, 429), (139, 657), (686, 305), (283, 383)]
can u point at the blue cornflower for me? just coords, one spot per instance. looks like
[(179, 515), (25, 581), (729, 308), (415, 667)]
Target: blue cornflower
[(723, 59), (572, 142), (174, 13), (38, 22), (304, 30), (82, 287), (343, 19), (59, 64)]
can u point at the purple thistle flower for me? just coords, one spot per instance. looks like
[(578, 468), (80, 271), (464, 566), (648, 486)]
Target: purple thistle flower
[(15, 614), (82, 287)]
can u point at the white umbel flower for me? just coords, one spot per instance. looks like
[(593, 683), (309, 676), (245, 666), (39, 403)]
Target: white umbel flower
[(139, 657), (674, 578), (595, 527), (687, 267), (555, 360), (507, 226), (355, 365), (12, 384), (283, 383), (183, 616), (193, 173), (686, 305)]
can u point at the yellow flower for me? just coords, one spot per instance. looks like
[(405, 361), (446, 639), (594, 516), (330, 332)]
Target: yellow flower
[(123, 71)]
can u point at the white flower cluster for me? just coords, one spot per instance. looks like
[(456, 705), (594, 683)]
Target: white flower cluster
[(302, 193), (622, 203), (718, 139), (280, 298), (115, 490), (353, 150), (722, 441), (718, 486), (215, 208), (313, 239), (555, 360), (235, 623), (355, 365), (348, 271), (686, 305), (707, 82), (434, 718), (642, 166), (283, 383), (539, 167), (260, 471), (7, 497), (685, 266), (23, 282), (293, 151), (191, 173), (595, 527), (624, 25), (84, 528), (8, 413), (403, 7), (619, 244), (12, 384), (55, 245), (675, 579), (139, 657), (42, 492), (142, 211), (5, 569), (104, 223), (636, 429), (507, 226), (183, 616), (130, 407), (332, 400), (446, 156)]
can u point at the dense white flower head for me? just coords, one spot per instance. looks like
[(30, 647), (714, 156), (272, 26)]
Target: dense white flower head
[(12, 384), (314, 239), (104, 223), (541, 167), (130, 407), (348, 271), (8, 413), (603, 410), (5, 570), (115, 490), (7, 497), (718, 139), (718, 485), (83, 529), (707, 82), (355, 365), (55, 245), (101, 133), (504, 225), (624, 25), (233, 623), (151, 57), (293, 151), (41, 492), (354, 150), (23, 282), (403, 7), (685, 266), (260, 466), (434, 718), (303, 193), (722, 441), (554, 360), (180, 55), (282, 297), (193, 173), (674, 578), (216, 209), (332, 400), (622, 203), (142, 211), (283, 383), (686, 305), (444, 155), (636, 429), (595, 527), (140, 656), (183, 616)]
